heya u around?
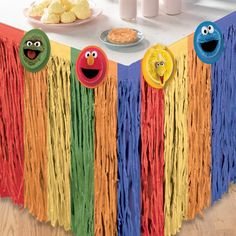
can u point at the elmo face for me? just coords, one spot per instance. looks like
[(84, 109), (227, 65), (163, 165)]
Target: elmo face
[(91, 66)]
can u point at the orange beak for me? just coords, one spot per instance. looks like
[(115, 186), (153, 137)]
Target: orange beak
[(90, 60)]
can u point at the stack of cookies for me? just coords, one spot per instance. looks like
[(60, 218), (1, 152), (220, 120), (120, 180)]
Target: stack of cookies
[(122, 36)]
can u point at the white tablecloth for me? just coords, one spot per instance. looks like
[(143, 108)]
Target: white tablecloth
[(162, 29)]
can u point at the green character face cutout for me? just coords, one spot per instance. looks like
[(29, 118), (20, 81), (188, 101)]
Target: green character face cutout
[(35, 50)]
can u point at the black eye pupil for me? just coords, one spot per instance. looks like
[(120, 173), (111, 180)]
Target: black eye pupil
[(205, 31)]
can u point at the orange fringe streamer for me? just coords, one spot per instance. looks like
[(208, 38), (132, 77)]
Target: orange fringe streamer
[(199, 132), (35, 144), (105, 165)]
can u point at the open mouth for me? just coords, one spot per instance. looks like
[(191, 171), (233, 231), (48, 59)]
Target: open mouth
[(162, 79), (90, 73), (209, 46), (31, 54)]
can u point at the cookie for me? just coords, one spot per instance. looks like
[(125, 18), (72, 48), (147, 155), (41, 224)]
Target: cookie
[(122, 36)]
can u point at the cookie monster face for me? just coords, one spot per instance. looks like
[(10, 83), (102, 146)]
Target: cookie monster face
[(208, 42), (34, 50)]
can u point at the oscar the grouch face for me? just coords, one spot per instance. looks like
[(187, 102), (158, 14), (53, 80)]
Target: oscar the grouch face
[(35, 50)]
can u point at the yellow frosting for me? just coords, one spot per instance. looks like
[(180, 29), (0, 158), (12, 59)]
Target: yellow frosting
[(56, 7), (50, 18), (67, 4), (45, 3), (35, 10), (68, 17), (81, 2), (82, 10)]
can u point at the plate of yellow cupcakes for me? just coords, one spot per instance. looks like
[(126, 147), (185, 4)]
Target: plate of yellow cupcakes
[(61, 13)]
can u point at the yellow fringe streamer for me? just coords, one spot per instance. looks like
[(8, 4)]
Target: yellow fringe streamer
[(59, 119), (176, 142), (105, 165)]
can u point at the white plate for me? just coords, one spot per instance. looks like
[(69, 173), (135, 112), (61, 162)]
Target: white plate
[(103, 38), (96, 11)]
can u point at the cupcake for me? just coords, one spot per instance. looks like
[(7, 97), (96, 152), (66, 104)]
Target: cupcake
[(55, 8), (45, 3), (50, 18), (68, 17), (67, 5), (82, 10), (35, 11)]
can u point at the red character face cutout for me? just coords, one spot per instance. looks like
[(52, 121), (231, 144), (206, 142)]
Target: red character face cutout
[(91, 66)]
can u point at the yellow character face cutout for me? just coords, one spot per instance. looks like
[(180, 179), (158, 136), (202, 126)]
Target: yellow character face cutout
[(157, 66)]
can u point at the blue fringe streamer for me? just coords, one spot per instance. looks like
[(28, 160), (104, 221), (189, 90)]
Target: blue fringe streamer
[(129, 150), (224, 112)]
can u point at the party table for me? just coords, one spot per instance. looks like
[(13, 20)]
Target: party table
[(123, 158), (162, 29)]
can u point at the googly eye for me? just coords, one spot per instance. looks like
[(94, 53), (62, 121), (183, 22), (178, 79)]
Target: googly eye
[(29, 43), (87, 54), (37, 44), (162, 63), (205, 30), (211, 29), (157, 64), (95, 54)]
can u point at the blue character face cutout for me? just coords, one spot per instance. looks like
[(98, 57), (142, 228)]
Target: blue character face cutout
[(208, 42)]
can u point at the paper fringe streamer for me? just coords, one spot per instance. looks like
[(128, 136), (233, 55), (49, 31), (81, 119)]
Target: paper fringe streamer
[(224, 114), (11, 121), (129, 192), (185, 98), (59, 127), (199, 133), (35, 143), (152, 160), (105, 163), (82, 155), (176, 142)]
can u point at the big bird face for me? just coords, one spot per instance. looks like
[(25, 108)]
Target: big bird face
[(161, 67), (91, 66), (157, 66)]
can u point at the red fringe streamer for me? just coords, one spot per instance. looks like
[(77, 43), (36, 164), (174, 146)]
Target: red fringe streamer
[(11, 116), (152, 159)]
